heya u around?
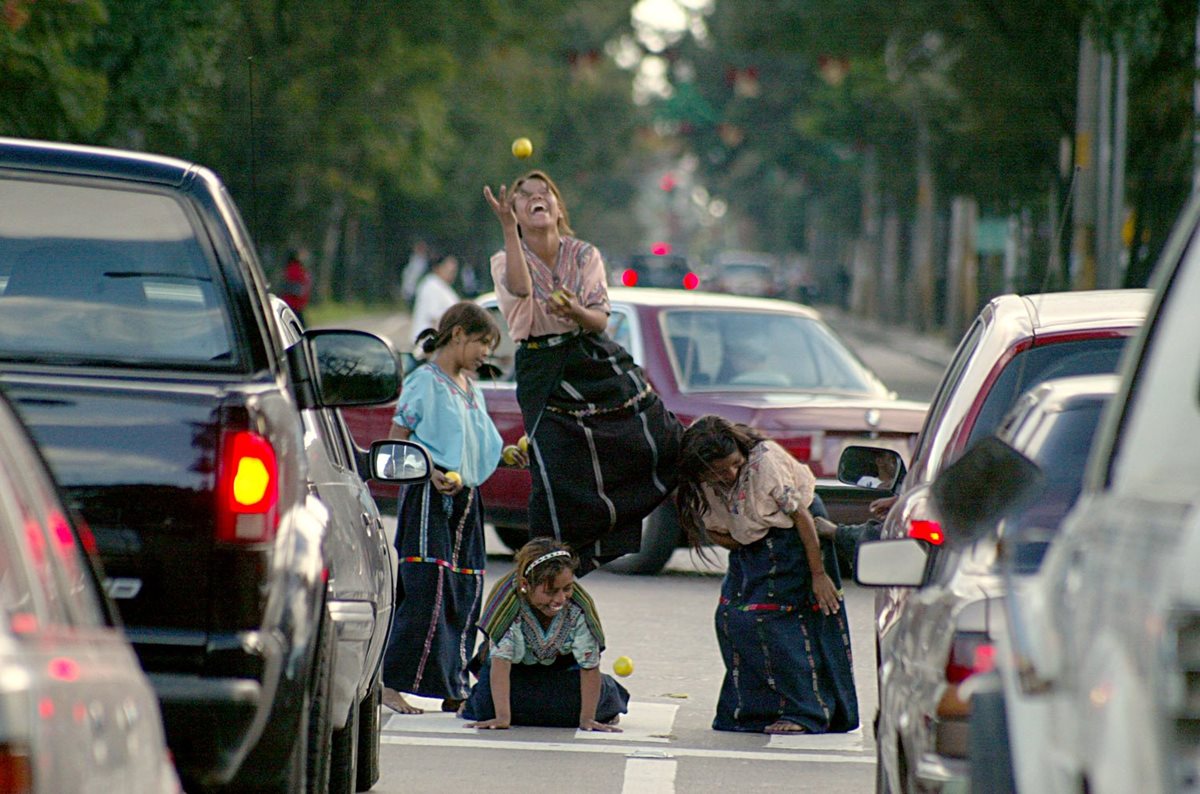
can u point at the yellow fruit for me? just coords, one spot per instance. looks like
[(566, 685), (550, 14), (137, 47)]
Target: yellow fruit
[(454, 477), (522, 148), (623, 666), (523, 443), (559, 297), (509, 454)]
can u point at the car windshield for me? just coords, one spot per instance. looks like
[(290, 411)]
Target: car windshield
[(103, 275), (756, 351), (658, 271)]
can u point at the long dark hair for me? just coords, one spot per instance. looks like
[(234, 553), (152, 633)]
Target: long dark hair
[(709, 438), (475, 321), (564, 217)]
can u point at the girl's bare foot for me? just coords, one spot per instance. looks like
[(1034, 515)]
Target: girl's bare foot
[(396, 702), (614, 721), (783, 726), (452, 705)]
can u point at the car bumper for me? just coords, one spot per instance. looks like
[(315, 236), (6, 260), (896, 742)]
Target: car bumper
[(355, 623)]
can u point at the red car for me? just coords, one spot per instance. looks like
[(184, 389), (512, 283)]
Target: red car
[(772, 364)]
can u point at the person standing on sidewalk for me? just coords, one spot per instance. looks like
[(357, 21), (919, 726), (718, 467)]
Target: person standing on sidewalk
[(435, 294)]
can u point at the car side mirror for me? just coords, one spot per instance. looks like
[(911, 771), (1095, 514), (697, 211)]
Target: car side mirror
[(896, 562), (990, 481), (399, 461), (353, 368), (879, 468)]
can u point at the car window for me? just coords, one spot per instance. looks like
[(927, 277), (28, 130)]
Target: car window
[(1039, 363), (106, 274), (733, 349)]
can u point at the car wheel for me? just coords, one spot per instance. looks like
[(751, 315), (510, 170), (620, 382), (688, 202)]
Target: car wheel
[(343, 757), (320, 723), (370, 729), (513, 537), (660, 537)]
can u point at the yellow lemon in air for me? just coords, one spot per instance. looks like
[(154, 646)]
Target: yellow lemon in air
[(623, 666), (522, 148), (454, 477), (523, 443), (509, 454)]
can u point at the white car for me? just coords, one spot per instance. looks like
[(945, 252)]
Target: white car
[(76, 711)]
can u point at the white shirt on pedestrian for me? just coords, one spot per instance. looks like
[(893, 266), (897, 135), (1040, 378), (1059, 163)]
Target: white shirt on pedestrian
[(434, 296)]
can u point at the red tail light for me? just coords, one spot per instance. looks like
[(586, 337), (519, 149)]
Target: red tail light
[(16, 770), (928, 531), (691, 281), (801, 447), (247, 489), (629, 278), (970, 653)]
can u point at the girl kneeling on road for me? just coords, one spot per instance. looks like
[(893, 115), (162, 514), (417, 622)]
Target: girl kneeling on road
[(542, 665)]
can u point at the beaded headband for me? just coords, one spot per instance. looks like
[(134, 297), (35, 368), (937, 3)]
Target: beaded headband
[(544, 557)]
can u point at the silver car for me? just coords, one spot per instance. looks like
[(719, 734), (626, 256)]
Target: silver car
[(361, 585), (76, 711)]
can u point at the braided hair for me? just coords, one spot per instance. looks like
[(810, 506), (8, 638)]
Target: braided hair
[(709, 438), (475, 321)]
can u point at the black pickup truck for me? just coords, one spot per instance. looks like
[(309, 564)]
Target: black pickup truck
[(137, 342)]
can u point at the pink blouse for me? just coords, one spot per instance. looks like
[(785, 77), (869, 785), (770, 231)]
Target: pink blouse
[(770, 488), (579, 269)]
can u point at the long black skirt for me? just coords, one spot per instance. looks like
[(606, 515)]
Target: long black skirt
[(603, 447), (545, 695), (439, 592), (784, 659)]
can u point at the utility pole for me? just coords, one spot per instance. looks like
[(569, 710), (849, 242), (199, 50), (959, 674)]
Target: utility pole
[(1083, 238)]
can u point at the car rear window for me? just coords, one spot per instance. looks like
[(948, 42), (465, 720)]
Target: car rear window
[(732, 349), (106, 275), (1036, 364)]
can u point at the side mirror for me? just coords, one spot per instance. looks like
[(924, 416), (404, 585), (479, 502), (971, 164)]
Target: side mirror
[(898, 562), (871, 467), (396, 461), (990, 481), (353, 368)]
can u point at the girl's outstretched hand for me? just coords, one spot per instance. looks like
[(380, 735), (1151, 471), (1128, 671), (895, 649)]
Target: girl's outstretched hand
[(502, 205), (494, 724), (599, 727)]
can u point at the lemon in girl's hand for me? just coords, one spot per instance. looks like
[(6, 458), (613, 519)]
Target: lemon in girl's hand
[(454, 477), (523, 443), (509, 454), (559, 297), (522, 148), (623, 666)]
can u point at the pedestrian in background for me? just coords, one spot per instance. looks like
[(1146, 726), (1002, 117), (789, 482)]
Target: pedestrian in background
[(602, 444), (435, 294), (439, 536), (780, 621), (418, 264), (297, 282)]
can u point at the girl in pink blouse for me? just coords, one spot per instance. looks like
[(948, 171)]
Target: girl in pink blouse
[(780, 623), (602, 445)]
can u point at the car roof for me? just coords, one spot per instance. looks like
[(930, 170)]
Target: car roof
[(56, 157), (1050, 311), (696, 299)]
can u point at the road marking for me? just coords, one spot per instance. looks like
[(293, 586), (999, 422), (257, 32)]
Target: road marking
[(487, 743), (649, 775)]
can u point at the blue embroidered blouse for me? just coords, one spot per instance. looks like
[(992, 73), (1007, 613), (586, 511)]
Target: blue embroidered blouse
[(451, 423)]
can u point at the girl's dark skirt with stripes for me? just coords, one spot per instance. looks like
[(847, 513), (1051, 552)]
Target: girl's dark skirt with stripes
[(545, 695), (784, 659), (439, 592), (603, 447)]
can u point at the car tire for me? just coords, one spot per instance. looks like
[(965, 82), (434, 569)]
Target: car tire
[(660, 537), (343, 757), (370, 731), (320, 722), (513, 537)]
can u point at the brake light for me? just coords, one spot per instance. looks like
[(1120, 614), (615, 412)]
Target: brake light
[(691, 281), (970, 653), (800, 447), (629, 277), (247, 489), (16, 769), (928, 531)]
